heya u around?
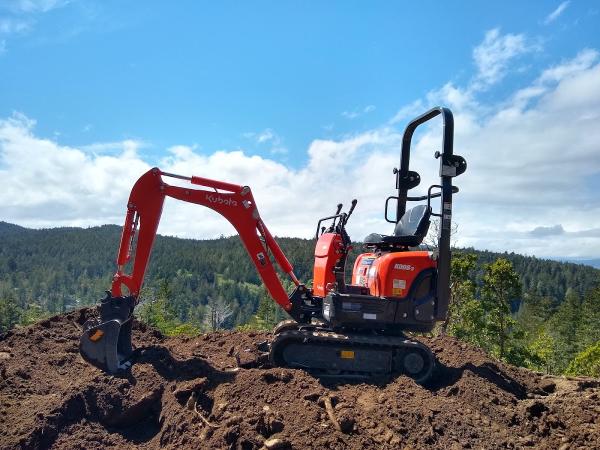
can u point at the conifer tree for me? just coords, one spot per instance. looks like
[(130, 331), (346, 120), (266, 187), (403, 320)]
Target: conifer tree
[(10, 313), (563, 327), (466, 315), (501, 287)]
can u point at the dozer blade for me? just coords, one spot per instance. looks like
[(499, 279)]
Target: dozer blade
[(106, 342)]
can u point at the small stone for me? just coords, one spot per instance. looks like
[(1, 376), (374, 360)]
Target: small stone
[(276, 443), (528, 440), (536, 409), (346, 423), (184, 390), (548, 386), (388, 435), (312, 396), (233, 420), (276, 426)]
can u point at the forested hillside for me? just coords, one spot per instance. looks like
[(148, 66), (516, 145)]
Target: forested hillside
[(62, 268), (547, 316)]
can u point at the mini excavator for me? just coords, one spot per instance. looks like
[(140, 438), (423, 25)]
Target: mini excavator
[(337, 329)]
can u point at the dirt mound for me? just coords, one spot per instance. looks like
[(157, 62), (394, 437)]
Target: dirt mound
[(211, 392)]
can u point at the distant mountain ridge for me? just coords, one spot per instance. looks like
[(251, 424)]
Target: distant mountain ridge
[(586, 262), (62, 268), (6, 227)]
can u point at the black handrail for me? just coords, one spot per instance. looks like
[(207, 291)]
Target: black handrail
[(449, 167), (447, 148)]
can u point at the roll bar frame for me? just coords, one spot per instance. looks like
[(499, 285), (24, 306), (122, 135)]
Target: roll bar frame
[(450, 166)]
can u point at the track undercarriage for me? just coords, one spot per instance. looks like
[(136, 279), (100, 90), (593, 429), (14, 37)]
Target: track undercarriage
[(365, 355)]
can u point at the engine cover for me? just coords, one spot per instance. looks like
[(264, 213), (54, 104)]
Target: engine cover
[(391, 275), (328, 251)]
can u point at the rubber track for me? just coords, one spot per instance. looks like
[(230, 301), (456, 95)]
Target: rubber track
[(353, 341)]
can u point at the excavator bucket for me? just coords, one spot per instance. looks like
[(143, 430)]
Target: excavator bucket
[(106, 341)]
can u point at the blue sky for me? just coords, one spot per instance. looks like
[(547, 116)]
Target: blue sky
[(210, 73), (215, 83)]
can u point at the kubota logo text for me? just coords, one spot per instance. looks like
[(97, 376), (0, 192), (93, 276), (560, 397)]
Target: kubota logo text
[(404, 267), (220, 200)]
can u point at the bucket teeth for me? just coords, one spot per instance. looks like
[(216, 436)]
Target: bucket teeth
[(106, 342)]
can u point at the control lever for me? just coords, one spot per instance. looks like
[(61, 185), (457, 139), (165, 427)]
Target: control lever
[(354, 202), (339, 208)]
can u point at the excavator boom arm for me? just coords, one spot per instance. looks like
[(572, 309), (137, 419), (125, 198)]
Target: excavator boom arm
[(232, 201)]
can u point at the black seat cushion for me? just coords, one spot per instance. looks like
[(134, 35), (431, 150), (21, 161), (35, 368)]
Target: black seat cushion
[(410, 230)]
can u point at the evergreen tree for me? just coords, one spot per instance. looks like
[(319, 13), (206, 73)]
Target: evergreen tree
[(501, 287), (32, 314), (158, 311), (563, 328), (536, 342), (10, 313), (541, 350), (267, 315), (588, 332), (586, 362), (466, 314)]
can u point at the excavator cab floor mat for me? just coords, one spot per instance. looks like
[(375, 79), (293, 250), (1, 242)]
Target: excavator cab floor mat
[(106, 341)]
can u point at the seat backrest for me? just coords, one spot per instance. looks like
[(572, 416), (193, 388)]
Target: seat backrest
[(414, 222)]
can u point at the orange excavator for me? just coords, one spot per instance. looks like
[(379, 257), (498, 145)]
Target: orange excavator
[(337, 329)]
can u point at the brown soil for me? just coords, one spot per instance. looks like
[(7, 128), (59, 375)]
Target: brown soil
[(51, 398)]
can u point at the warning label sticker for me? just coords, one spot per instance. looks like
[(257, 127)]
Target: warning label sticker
[(399, 284)]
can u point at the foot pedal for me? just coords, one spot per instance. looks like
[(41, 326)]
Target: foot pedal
[(106, 342)]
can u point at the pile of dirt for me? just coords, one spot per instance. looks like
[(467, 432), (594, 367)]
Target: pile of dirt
[(212, 392)]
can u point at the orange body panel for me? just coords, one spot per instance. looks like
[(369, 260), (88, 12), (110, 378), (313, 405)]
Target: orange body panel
[(328, 251), (390, 274)]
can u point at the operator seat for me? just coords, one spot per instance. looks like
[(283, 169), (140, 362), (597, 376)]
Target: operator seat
[(410, 230)]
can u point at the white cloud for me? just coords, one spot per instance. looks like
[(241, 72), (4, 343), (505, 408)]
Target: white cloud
[(493, 55), (11, 25), (582, 61), (20, 17), (127, 145), (34, 6), (350, 114), (52, 185), (556, 13), (265, 136), (533, 164), (407, 112), (358, 112), (270, 137)]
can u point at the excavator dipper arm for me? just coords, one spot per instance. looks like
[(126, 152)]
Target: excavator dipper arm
[(106, 341), (233, 202)]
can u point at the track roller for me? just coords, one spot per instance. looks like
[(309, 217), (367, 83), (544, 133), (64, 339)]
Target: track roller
[(329, 354)]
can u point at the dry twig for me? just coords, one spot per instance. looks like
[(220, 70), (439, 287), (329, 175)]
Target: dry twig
[(331, 413), (204, 419)]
